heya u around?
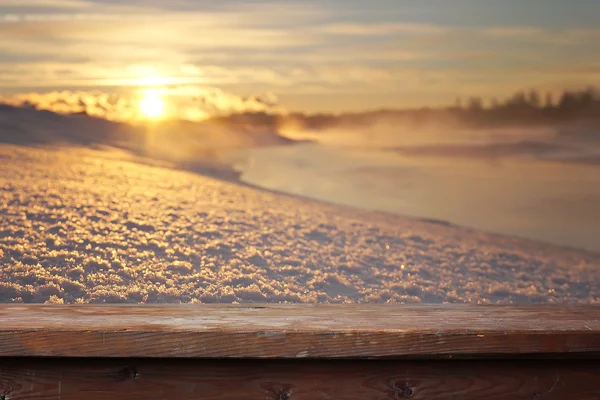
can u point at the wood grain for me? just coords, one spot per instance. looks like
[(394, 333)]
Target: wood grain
[(65, 379), (297, 331)]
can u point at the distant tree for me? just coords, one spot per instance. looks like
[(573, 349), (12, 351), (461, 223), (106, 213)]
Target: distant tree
[(494, 103), (549, 102), (519, 99), (568, 102), (587, 97), (534, 99), (475, 104)]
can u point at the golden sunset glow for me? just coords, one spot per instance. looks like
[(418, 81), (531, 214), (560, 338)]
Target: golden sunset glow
[(152, 106)]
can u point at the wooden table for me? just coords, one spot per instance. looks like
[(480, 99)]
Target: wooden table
[(295, 352)]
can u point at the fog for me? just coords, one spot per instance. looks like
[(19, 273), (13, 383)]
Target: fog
[(541, 183), (99, 211)]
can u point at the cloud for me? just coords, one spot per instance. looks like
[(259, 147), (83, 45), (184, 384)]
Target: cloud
[(53, 4), (288, 46), (557, 37), (183, 102), (383, 29), (514, 32), (149, 30)]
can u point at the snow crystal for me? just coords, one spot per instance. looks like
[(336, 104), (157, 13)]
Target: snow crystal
[(80, 225)]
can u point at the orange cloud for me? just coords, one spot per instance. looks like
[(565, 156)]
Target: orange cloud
[(190, 103), (384, 29), (310, 48), (564, 37)]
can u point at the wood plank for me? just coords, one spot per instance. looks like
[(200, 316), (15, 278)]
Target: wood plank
[(65, 379), (296, 331)]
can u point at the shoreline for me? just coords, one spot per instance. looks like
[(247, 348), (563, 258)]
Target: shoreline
[(77, 227), (515, 197), (226, 172)]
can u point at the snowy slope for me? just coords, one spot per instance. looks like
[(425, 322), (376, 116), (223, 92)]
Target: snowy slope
[(82, 225)]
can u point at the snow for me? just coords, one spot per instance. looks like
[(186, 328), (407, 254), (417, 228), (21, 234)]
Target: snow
[(83, 225)]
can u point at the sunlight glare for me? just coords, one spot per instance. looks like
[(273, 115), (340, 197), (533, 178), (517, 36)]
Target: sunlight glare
[(152, 106)]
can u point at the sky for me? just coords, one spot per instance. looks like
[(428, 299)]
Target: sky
[(207, 57)]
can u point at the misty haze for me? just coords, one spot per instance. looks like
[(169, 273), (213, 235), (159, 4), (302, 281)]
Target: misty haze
[(391, 153)]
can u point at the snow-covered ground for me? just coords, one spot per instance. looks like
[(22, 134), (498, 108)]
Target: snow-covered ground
[(82, 225)]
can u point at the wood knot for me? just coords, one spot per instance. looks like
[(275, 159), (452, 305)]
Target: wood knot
[(133, 372), (402, 391), (125, 374), (6, 391), (284, 394), (277, 391)]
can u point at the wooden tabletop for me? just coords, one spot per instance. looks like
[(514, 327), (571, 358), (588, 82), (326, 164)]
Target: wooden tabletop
[(297, 331)]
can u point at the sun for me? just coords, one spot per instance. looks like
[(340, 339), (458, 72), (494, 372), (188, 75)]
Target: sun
[(152, 106)]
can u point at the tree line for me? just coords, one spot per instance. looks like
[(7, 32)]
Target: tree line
[(533, 105), (527, 107)]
